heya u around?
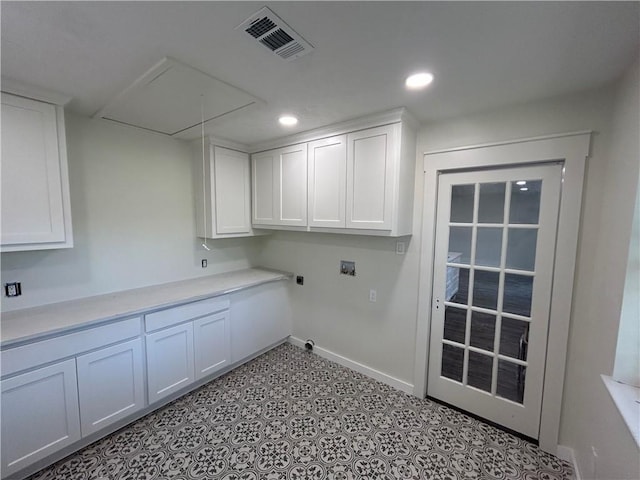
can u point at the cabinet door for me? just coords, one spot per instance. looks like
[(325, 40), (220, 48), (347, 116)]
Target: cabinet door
[(291, 185), (170, 364), (212, 341), (263, 188), (371, 161), (261, 316), (39, 414), (232, 191), (327, 182), (32, 198), (110, 384)]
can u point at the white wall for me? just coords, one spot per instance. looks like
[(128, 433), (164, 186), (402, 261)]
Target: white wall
[(133, 220), (627, 134), (334, 310)]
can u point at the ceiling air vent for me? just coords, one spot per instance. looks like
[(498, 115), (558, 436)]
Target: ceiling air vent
[(272, 32)]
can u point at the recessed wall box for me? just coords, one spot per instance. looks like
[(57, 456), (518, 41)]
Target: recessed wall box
[(12, 289), (348, 267)]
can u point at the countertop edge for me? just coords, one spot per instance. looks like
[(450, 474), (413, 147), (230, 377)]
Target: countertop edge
[(25, 339)]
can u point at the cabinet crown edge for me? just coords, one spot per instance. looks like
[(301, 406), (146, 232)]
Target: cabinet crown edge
[(397, 115)]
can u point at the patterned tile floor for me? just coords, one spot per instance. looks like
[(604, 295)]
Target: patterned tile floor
[(290, 414)]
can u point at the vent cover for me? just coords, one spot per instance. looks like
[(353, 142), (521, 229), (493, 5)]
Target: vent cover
[(272, 32)]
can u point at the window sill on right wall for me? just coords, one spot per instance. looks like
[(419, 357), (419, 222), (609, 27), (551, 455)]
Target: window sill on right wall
[(627, 399)]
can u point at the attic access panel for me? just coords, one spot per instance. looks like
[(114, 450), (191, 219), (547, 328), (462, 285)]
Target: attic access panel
[(168, 99)]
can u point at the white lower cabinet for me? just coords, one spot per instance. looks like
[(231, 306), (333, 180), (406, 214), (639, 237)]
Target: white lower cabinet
[(170, 360), (261, 317), (110, 384), (39, 414), (95, 377), (212, 339)]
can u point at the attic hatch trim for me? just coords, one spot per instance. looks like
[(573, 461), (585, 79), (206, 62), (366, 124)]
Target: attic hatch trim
[(113, 113), (271, 31)]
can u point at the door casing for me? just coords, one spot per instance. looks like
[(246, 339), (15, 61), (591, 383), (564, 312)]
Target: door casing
[(572, 149)]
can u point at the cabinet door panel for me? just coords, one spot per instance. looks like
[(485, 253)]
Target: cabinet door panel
[(231, 171), (31, 179), (264, 192), (110, 384), (39, 414), (212, 343), (292, 185), (370, 178), (170, 364), (260, 317), (327, 182)]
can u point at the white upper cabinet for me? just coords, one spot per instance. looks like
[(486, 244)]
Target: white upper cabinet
[(264, 192), (36, 212), (327, 182), (223, 195), (280, 187), (359, 181), (371, 176)]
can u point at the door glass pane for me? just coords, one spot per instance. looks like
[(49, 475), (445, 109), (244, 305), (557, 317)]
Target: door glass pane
[(479, 371), (455, 320), (485, 289), (517, 294), (457, 285), (525, 202), (452, 361), (491, 203), (460, 244), (462, 203), (488, 246), (514, 338), (511, 380), (483, 328), (521, 248)]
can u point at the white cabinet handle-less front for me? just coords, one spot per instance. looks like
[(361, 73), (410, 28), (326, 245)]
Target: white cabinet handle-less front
[(39, 414)]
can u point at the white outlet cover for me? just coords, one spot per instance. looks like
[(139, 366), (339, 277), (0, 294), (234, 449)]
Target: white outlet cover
[(400, 248)]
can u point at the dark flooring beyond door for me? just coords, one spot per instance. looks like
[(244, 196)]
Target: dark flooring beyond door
[(290, 414), (514, 333)]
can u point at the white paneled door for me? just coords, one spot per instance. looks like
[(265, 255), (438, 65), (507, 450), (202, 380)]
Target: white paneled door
[(370, 177), (493, 269), (32, 198), (39, 414), (327, 182)]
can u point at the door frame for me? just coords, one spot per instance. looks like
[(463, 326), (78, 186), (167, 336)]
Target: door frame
[(570, 148)]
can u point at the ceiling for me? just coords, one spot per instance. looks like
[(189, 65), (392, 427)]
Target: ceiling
[(484, 55)]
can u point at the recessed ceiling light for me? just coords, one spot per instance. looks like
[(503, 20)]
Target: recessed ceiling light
[(521, 182), (418, 80), (288, 120), (523, 189)]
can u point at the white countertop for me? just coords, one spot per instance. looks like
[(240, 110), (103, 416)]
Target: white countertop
[(32, 323)]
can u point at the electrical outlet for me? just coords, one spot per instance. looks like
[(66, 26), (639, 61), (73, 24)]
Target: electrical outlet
[(400, 248), (300, 280), (13, 289), (373, 295), (204, 263)]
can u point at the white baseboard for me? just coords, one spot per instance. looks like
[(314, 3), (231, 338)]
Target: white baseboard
[(358, 367), (568, 455)]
